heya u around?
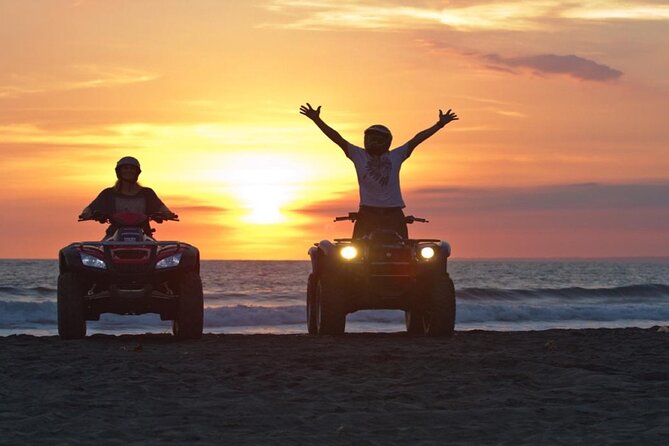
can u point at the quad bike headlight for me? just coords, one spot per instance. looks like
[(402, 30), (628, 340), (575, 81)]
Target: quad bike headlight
[(169, 262), (427, 252), (349, 252), (92, 261)]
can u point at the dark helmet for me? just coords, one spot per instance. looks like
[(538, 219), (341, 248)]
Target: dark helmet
[(127, 161), (381, 130), (378, 128)]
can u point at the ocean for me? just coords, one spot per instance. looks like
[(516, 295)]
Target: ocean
[(269, 297)]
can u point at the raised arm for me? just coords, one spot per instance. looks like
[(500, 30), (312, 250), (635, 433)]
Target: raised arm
[(315, 115), (444, 118)]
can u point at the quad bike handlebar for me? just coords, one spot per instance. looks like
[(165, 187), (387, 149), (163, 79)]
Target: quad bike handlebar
[(159, 218), (411, 219), (353, 216), (103, 217)]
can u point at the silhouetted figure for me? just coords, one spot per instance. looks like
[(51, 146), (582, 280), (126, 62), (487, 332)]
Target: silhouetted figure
[(127, 195), (378, 170)]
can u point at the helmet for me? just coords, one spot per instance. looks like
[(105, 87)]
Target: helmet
[(127, 161), (380, 130)]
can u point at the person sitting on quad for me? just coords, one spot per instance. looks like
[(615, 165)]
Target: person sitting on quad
[(127, 195), (378, 170)]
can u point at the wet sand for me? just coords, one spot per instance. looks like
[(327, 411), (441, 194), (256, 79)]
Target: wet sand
[(547, 387)]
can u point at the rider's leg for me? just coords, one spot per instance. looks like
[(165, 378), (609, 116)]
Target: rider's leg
[(396, 221), (364, 224)]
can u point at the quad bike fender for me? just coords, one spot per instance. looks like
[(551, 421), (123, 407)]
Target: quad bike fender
[(68, 259), (190, 259), (445, 249), (324, 248)]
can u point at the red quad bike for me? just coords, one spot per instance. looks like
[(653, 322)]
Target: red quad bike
[(130, 272), (381, 271)]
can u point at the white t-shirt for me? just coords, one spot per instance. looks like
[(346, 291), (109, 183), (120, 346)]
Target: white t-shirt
[(379, 176)]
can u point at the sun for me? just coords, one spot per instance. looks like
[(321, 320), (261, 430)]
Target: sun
[(264, 184), (263, 203)]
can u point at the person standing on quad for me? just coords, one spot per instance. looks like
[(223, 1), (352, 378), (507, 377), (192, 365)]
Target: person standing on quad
[(378, 170), (127, 195)]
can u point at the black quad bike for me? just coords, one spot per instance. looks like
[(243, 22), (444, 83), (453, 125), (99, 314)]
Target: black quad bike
[(381, 270), (130, 272)]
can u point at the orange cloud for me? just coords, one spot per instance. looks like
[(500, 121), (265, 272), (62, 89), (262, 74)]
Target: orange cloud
[(483, 16), (538, 64), (326, 14), (75, 78), (574, 66)]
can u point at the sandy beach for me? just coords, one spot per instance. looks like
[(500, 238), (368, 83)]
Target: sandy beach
[(599, 386)]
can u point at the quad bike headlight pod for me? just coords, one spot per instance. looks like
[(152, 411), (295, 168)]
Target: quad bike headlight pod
[(427, 252), (349, 252), (92, 261), (169, 262)]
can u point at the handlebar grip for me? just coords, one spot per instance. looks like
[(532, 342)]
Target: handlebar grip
[(100, 218), (353, 216), (411, 219)]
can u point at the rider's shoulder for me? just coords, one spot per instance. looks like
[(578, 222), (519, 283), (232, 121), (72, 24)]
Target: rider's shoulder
[(400, 151), (403, 147), (352, 148), (107, 191), (147, 190)]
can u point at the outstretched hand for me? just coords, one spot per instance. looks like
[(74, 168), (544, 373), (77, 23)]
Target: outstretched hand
[(309, 112), (445, 118)]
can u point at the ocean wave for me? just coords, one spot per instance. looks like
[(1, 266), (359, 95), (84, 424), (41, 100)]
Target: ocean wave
[(42, 291), (18, 314), (15, 315), (482, 313), (644, 291), (648, 292)]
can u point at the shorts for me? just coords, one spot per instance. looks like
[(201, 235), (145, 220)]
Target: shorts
[(371, 218)]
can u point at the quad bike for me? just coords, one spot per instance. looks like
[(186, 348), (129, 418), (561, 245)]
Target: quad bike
[(129, 272), (381, 270)]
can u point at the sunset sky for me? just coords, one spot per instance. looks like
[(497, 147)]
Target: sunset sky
[(561, 150)]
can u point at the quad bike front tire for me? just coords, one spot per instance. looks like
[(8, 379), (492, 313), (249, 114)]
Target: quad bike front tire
[(71, 315), (439, 316), (189, 320), (330, 316), (413, 319), (312, 311)]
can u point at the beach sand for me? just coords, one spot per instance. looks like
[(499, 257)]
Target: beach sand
[(599, 386)]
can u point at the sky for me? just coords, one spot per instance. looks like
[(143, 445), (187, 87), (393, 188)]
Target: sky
[(561, 149)]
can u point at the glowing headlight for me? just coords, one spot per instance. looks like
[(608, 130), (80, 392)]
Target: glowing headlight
[(169, 262), (349, 252), (92, 261), (427, 252)]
